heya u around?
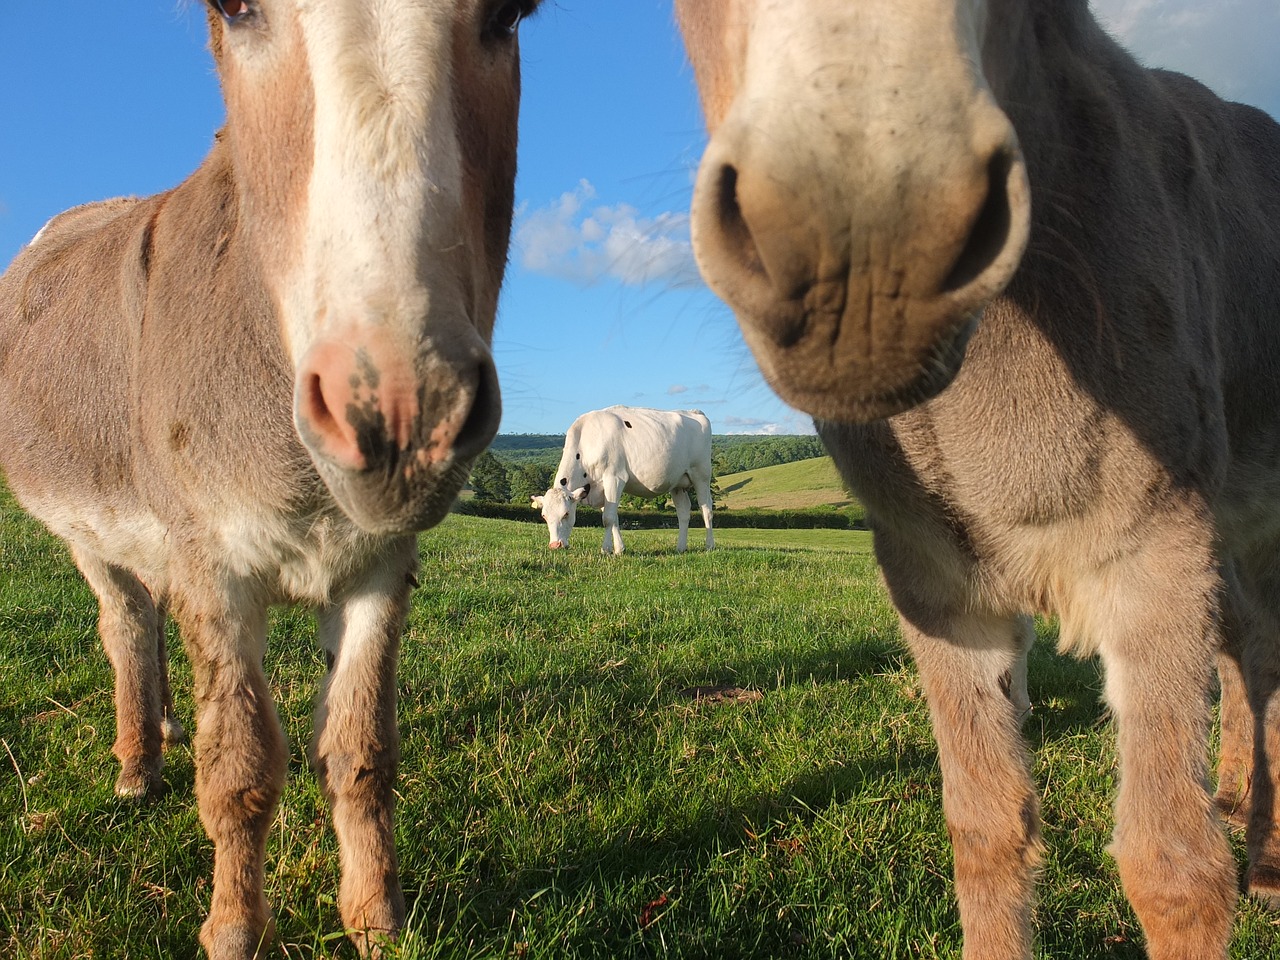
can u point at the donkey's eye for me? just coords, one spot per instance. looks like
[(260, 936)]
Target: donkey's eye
[(232, 10), (506, 18)]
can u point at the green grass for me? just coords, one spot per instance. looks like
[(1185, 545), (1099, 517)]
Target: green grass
[(787, 486), (563, 794)]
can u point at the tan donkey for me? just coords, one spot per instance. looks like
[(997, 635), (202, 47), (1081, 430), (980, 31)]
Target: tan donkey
[(1031, 290), (257, 387)]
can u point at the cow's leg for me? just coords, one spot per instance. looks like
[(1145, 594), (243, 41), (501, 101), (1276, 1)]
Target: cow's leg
[(703, 489), (1175, 863), (127, 623), (611, 487), (240, 757), (966, 665), (357, 744), (680, 497), (170, 729)]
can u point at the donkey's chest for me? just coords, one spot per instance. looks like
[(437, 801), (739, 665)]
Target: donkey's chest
[(1009, 512), (295, 558)]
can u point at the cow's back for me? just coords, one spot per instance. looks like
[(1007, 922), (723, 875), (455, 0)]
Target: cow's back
[(655, 448)]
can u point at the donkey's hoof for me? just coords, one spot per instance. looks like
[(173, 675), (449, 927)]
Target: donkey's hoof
[(236, 942), (172, 733), (136, 782), (1263, 885), (373, 944)]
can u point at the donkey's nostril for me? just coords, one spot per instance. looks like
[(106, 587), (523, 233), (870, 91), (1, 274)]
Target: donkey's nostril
[(482, 419), (317, 410), (990, 231), (336, 436), (735, 232)]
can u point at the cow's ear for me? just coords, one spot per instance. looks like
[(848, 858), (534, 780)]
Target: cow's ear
[(581, 493), (537, 501)]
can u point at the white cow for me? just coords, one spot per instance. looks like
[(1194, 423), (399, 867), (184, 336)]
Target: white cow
[(630, 450)]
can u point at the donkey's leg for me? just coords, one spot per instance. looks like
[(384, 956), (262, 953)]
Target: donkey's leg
[(966, 666), (357, 744), (680, 498), (127, 624), (1174, 861), (170, 728), (1024, 634), (240, 758), (1259, 625), (1235, 759)]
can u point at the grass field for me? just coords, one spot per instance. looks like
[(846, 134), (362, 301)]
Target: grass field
[(787, 486), (565, 790)]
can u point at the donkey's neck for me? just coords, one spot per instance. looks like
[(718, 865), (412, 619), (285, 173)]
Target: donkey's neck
[(1057, 74), (1083, 109)]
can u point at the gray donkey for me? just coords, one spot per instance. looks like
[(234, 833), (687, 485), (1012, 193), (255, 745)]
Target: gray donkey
[(1030, 290)]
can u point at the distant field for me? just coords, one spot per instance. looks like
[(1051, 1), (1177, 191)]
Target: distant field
[(787, 486)]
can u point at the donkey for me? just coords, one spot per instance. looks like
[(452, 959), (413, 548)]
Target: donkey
[(1064, 405), (257, 387)]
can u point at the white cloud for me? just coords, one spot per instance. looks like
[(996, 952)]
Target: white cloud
[(790, 424), (585, 244), (677, 388), (1230, 45)]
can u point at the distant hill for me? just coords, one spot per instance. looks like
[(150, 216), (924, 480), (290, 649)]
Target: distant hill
[(730, 453), (789, 486), (528, 447)]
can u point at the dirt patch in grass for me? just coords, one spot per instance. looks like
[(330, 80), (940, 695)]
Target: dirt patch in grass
[(721, 694)]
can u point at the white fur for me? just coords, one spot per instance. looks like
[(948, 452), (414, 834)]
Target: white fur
[(386, 179)]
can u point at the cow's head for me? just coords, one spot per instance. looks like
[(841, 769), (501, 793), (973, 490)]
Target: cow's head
[(559, 508)]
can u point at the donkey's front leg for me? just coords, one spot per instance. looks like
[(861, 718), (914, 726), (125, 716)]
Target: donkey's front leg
[(967, 666), (170, 728), (240, 759), (127, 619), (356, 747), (1174, 860), (1235, 757), (1255, 631)]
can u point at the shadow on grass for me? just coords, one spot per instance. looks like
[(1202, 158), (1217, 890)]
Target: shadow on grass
[(676, 864)]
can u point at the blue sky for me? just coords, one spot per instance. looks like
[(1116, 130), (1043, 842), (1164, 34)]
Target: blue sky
[(602, 303)]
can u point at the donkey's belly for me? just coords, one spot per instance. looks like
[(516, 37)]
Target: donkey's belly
[(121, 533)]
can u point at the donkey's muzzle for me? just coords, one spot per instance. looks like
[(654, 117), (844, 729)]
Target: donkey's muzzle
[(393, 436)]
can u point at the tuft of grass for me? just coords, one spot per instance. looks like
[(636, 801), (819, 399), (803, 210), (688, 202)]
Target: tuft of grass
[(715, 754)]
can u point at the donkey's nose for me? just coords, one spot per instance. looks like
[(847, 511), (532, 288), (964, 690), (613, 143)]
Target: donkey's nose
[(352, 406), (365, 405)]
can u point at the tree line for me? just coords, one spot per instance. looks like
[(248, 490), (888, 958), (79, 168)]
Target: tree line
[(519, 466)]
